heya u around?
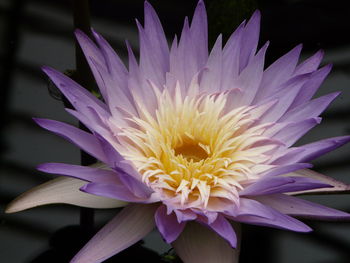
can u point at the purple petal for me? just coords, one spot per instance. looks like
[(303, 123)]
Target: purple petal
[(94, 123), (156, 36), (115, 66), (224, 229), (298, 207), (116, 96), (250, 207), (309, 64), (272, 185), (245, 81), (183, 215), (85, 173), (199, 33), (92, 52), (293, 131), (310, 109), (79, 97), (284, 169), (289, 156), (186, 64), (137, 83), (168, 225), (284, 96), (115, 191), (280, 71), (231, 53), (151, 65), (129, 226), (61, 190), (126, 172), (314, 150), (82, 139), (337, 186), (311, 86), (250, 40), (211, 78), (273, 218), (197, 243)]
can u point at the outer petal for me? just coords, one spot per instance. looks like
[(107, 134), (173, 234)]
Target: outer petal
[(126, 172), (129, 226), (337, 186), (199, 33), (295, 130), (309, 64), (200, 244), (250, 39), (314, 150), (82, 139), (80, 98), (211, 78), (263, 215), (272, 185), (245, 81), (61, 190), (85, 173), (155, 33), (280, 71), (92, 53), (310, 109), (298, 207), (114, 191), (311, 86), (168, 225), (286, 169), (223, 228)]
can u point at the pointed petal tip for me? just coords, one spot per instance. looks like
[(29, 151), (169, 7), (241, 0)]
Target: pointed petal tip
[(38, 121), (11, 208), (328, 66), (148, 7), (48, 70), (256, 14)]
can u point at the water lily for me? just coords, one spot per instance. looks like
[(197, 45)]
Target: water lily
[(191, 141)]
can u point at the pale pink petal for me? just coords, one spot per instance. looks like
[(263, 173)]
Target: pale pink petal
[(198, 244), (61, 190), (129, 226)]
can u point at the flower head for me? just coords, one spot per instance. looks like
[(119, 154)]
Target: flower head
[(189, 136)]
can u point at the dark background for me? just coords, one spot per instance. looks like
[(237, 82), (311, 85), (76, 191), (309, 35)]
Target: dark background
[(35, 33)]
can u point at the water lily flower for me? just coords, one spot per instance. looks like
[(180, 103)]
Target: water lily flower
[(191, 141)]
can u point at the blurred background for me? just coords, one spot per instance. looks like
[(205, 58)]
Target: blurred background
[(37, 32)]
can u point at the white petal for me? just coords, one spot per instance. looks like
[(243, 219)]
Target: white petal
[(129, 226), (200, 244), (60, 190)]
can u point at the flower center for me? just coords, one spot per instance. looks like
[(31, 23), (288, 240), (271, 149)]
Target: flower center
[(194, 152), (191, 151)]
